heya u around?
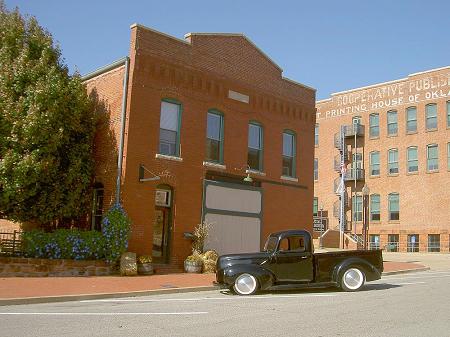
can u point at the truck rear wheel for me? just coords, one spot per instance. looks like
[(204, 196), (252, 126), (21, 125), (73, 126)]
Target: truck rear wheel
[(353, 279), (246, 284)]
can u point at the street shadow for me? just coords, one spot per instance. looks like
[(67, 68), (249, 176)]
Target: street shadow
[(325, 290)]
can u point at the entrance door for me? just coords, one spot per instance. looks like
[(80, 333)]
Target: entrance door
[(161, 233)]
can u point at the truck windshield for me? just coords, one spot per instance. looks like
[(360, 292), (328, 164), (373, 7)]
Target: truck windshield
[(271, 244)]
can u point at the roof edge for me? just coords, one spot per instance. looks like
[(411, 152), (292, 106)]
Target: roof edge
[(138, 25), (298, 83), (104, 69)]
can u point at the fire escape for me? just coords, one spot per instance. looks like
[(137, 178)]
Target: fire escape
[(346, 142)]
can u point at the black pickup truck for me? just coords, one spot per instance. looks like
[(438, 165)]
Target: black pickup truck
[(288, 259)]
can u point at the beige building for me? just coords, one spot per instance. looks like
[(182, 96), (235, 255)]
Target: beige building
[(396, 141)]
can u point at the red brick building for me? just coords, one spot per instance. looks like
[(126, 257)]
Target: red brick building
[(397, 143), (202, 114)]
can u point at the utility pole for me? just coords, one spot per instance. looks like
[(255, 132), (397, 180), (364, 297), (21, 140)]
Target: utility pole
[(342, 189)]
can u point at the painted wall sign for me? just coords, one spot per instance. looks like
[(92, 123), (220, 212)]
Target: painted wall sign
[(402, 92)]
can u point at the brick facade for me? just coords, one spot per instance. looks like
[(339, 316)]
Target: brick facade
[(424, 195), (199, 72)]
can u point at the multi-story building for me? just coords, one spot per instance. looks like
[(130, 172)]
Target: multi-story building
[(394, 138), (211, 131)]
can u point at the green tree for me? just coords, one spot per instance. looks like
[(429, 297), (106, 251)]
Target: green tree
[(47, 126)]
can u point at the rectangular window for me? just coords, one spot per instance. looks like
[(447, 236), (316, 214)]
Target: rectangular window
[(169, 129), (394, 206), (316, 135), (214, 137), (393, 243), (374, 125), (288, 169), (374, 242), (434, 243), (255, 147), (315, 206), (432, 157), (431, 116), (375, 163), (375, 207), (392, 123), (357, 208), (316, 169), (413, 243), (448, 156), (448, 114), (411, 119), (393, 161), (413, 161)]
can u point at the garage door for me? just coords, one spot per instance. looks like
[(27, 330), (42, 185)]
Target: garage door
[(234, 212)]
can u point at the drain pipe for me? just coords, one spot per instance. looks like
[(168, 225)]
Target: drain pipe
[(122, 129)]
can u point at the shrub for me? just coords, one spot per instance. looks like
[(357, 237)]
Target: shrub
[(64, 244), (116, 229), (201, 232)]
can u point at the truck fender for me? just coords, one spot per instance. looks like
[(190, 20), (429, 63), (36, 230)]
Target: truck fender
[(265, 277), (370, 271)]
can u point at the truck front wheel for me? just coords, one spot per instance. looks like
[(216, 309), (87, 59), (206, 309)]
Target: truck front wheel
[(246, 284), (352, 279)]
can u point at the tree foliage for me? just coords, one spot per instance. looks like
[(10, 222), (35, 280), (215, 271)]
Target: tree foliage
[(47, 127)]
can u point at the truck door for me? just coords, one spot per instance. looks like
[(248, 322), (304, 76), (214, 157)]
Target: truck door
[(293, 262)]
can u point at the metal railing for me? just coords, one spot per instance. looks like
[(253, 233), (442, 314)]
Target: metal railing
[(412, 247), (392, 247), (11, 243), (374, 245)]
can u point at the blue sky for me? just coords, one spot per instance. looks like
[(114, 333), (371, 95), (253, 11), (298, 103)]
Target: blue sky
[(329, 45)]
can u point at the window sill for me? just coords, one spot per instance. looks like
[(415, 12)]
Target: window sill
[(214, 165), (411, 132), (431, 130), (432, 171), (166, 157), (392, 136), (414, 173), (377, 176), (375, 222), (259, 173), (394, 222), (290, 179), (392, 174), (373, 138)]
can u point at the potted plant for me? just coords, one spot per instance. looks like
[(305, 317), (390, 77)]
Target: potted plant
[(144, 265), (193, 263)]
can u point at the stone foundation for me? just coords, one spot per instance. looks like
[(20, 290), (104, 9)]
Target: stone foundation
[(27, 267)]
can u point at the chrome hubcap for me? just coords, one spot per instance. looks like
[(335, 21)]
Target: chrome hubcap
[(245, 284), (353, 278)]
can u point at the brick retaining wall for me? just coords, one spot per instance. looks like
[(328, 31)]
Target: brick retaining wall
[(28, 267)]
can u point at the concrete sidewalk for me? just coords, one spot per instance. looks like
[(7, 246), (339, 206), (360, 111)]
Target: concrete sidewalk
[(17, 290)]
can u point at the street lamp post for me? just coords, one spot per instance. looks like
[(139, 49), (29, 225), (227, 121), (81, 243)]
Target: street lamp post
[(365, 192), (321, 226)]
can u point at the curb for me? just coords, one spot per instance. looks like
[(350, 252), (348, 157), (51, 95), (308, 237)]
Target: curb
[(404, 271), (86, 297)]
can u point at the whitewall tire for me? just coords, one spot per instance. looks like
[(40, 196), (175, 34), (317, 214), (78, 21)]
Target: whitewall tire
[(246, 284), (353, 279)]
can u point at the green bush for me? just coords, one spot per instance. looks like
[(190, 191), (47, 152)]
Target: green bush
[(64, 244)]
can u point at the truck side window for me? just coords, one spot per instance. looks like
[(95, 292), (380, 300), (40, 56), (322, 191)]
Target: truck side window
[(292, 243)]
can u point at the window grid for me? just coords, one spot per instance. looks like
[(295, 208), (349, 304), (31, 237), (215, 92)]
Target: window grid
[(393, 161), (394, 206), (169, 130), (374, 125), (288, 166), (316, 169), (434, 243), (214, 137), (431, 116), (316, 135), (315, 206), (432, 157), (411, 119), (375, 207), (392, 123), (357, 208), (375, 163), (255, 146), (413, 162)]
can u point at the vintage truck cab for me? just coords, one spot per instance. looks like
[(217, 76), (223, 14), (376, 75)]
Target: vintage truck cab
[(288, 259)]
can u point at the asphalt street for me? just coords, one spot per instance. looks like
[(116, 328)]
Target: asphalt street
[(399, 305)]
